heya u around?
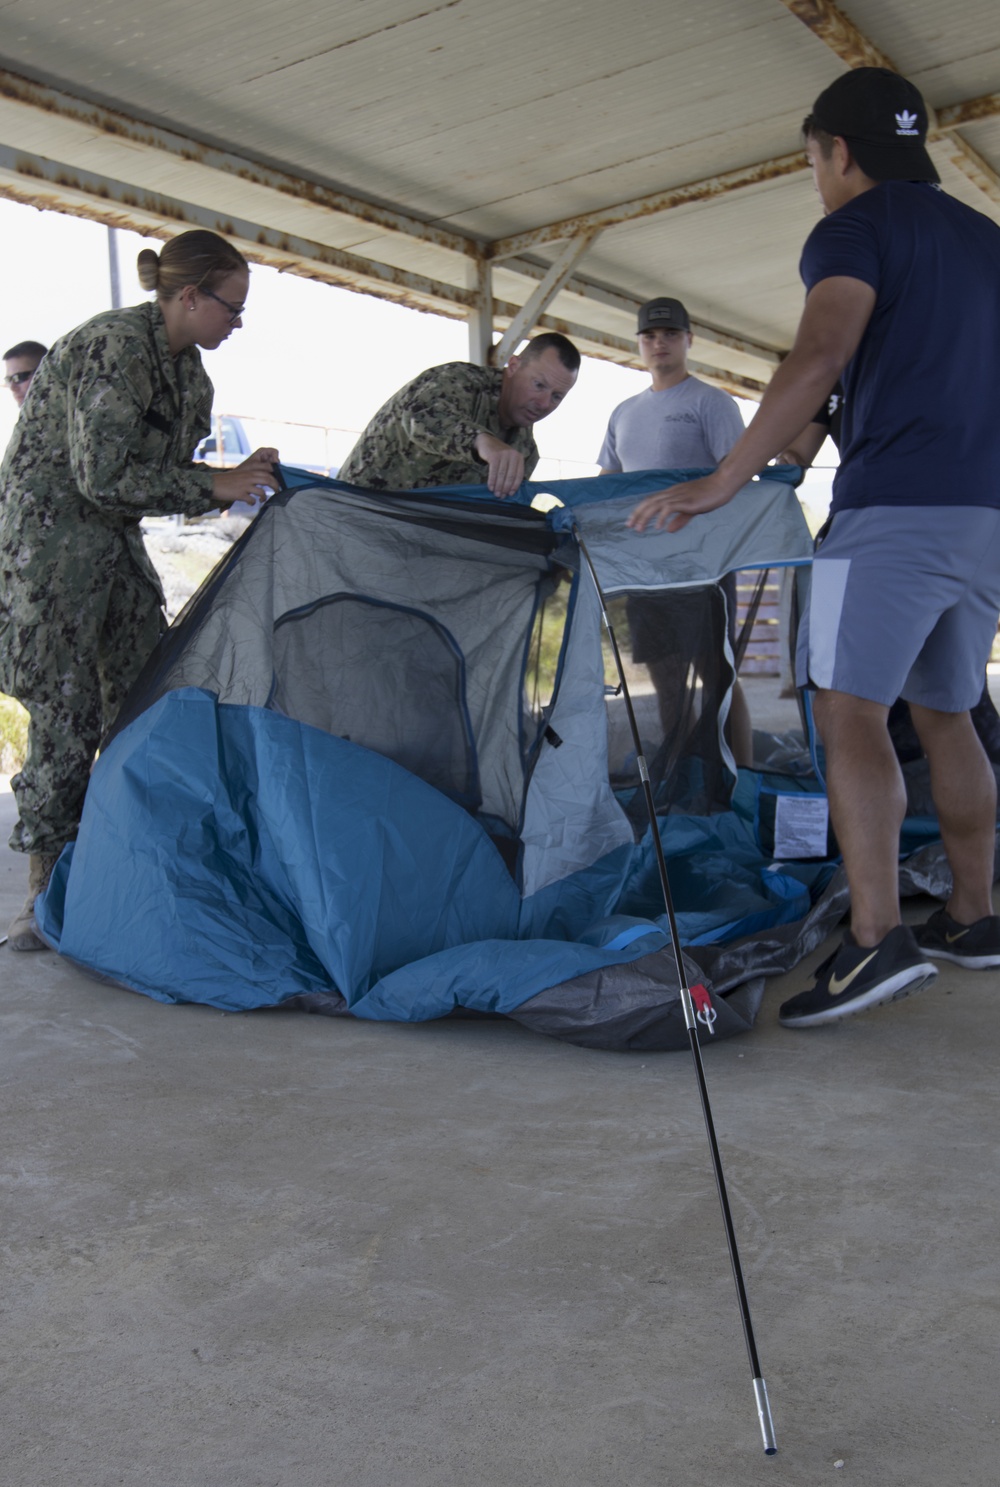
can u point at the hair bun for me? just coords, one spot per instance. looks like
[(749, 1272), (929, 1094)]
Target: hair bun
[(198, 257), (148, 268)]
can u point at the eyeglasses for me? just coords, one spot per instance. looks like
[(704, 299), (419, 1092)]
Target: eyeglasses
[(14, 379), (235, 311)]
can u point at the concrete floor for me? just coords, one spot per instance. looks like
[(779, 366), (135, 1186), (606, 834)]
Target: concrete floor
[(272, 1249)]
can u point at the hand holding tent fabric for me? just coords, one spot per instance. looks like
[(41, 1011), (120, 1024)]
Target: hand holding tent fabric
[(674, 507)]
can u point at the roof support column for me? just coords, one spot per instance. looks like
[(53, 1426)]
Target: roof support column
[(555, 279), (481, 315)]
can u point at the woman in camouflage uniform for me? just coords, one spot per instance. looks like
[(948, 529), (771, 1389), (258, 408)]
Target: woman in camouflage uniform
[(105, 438)]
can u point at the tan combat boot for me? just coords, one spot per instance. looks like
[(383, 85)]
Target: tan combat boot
[(22, 934)]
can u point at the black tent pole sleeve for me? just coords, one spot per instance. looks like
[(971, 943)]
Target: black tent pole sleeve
[(691, 1023)]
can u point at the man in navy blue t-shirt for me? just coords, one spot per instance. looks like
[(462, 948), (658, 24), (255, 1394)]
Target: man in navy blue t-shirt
[(903, 304)]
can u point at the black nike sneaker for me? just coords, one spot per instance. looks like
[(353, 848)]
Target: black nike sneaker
[(976, 946), (859, 976)]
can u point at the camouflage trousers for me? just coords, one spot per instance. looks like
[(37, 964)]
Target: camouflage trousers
[(72, 674)]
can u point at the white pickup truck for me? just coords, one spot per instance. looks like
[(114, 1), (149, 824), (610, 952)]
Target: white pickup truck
[(229, 444), (226, 445)]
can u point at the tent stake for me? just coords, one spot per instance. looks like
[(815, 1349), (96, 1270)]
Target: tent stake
[(691, 1023)]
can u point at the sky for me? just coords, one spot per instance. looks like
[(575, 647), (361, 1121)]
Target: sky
[(310, 356)]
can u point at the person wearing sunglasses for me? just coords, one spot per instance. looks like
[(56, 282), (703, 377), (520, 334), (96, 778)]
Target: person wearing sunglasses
[(20, 364), (117, 408)]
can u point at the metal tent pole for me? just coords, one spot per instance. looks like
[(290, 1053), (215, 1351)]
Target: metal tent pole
[(691, 1024)]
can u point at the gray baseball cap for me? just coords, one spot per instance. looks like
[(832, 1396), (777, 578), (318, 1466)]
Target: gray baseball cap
[(665, 314)]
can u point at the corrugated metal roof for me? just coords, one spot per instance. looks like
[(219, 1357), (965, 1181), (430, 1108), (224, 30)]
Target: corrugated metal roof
[(476, 122)]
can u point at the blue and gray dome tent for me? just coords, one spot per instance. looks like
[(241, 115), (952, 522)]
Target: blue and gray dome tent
[(331, 788)]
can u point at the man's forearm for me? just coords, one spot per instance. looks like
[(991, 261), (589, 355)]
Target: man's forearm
[(836, 314), (806, 447), (505, 465), (833, 322), (796, 390)]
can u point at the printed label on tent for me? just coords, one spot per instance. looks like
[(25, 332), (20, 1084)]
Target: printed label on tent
[(800, 826)]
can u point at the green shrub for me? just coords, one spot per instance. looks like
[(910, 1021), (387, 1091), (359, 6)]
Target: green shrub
[(546, 642), (13, 735)]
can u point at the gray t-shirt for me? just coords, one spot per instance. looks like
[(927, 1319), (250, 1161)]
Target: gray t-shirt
[(687, 427)]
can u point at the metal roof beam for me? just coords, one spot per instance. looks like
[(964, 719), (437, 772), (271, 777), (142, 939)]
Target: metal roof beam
[(648, 206), (853, 47), (47, 184), (969, 161), (38, 96), (552, 282), (839, 34), (628, 304), (970, 112), (171, 142), (945, 124), (821, 15)]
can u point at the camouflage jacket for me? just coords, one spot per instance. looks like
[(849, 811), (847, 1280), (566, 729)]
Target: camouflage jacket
[(424, 434), (104, 438)]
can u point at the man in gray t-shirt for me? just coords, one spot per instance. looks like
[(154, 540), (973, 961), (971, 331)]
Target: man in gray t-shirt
[(678, 423), (684, 425)]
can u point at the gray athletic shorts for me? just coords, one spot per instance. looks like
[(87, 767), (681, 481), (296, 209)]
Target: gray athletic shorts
[(903, 602)]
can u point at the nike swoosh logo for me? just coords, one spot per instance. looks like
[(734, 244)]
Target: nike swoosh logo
[(950, 939), (837, 985)]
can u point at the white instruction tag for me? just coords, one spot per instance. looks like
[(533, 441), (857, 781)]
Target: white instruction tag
[(800, 824)]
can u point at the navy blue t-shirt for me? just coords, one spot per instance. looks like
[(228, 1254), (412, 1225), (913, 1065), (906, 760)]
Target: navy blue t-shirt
[(921, 421)]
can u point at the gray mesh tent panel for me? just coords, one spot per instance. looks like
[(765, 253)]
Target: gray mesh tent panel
[(402, 624)]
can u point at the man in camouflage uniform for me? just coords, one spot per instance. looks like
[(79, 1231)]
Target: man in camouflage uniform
[(105, 439), (460, 424), (20, 364)]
